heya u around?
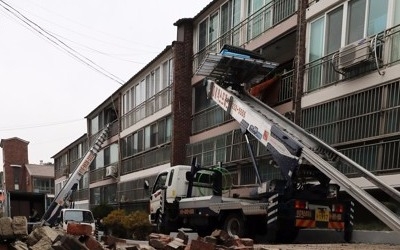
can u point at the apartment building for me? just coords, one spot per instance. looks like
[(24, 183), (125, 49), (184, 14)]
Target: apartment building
[(142, 136), (337, 79)]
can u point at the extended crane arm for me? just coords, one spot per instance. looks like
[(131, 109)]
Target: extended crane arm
[(65, 193), (284, 150), (286, 141)]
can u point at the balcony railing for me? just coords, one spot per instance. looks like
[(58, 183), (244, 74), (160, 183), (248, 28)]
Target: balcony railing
[(82, 194), (147, 108), (250, 28), (208, 118), (324, 71), (286, 87), (146, 160), (100, 173)]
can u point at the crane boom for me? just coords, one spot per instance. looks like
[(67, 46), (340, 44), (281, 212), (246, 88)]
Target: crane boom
[(288, 143), (62, 198)]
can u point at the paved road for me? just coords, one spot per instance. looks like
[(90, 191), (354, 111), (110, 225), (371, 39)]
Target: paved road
[(337, 246)]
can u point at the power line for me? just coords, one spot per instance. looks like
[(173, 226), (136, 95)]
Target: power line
[(58, 43), (41, 125)]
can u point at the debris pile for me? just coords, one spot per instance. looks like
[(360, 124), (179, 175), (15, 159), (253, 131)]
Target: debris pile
[(219, 239), (14, 235)]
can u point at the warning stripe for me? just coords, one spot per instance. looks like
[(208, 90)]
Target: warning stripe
[(336, 225), (305, 223)]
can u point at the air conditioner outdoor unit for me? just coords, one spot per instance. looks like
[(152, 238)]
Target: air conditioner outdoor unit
[(354, 54), (111, 171)]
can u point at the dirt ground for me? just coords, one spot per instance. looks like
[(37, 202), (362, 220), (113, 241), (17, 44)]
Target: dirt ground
[(339, 246)]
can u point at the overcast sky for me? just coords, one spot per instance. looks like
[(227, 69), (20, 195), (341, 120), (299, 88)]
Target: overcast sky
[(60, 59)]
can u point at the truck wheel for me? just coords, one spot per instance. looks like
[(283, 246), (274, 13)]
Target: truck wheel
[(234, 225)]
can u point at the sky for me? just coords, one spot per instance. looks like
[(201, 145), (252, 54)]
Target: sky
[(59, 60)]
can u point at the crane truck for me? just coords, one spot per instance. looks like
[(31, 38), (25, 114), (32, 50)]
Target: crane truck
[(306, 195), (60, 212)]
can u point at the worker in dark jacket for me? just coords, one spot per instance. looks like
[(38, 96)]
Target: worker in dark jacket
[(34, 216)]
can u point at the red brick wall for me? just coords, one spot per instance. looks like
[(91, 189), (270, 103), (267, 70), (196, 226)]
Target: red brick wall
[(15, 152), (182, 93)]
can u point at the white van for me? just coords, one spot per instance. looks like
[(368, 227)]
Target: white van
[(75, 215)]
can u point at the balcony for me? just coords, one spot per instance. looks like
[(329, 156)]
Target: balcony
[(250, 28), (157, 102), (327, 71)]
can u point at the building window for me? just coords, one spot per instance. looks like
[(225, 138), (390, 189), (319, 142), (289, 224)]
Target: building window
[(42, 185), (372, 13), (203, 35), (334, 27), (103, 195), (17, 177), (147, 138), (363, 17)]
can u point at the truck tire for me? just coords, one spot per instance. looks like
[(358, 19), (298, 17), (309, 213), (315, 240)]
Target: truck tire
[(234, 225)]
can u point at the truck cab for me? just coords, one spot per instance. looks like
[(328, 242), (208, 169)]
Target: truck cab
[(80, 216), (174, 181)]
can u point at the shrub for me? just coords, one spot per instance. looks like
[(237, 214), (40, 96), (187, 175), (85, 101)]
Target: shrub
[(114, 222), (135, 224)]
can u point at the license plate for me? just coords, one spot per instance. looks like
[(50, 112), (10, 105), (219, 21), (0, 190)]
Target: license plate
[(321, 214)]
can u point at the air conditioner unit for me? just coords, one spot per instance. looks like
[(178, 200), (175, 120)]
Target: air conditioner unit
[(111, 171), (353, 54)]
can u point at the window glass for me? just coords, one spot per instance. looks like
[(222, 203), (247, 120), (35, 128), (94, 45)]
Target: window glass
[(168, 130), (213, 30), (125, 102), (140, 140), (397, 10), (226, 10), (148, 86), (99, 161), (356, 20), (147, 137), (157, 79), (114, 153), (165, 78), (160, 182), (316, 39), (334, 27), (135, 143), (131, 103), (203, 35), (95, 125), (107, 156), (377, 16), (171, 72), (161, 131), (201, 101), (154, 135)]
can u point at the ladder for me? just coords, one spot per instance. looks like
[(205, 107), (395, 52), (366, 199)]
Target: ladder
[(282, 135), (62, 198)]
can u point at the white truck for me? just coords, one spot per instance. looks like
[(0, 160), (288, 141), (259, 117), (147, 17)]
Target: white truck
[(60, 210), (306, 195), (76, 215)]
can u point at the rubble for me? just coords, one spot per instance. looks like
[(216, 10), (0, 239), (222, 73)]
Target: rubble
[(219, 239), (14, 235)]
